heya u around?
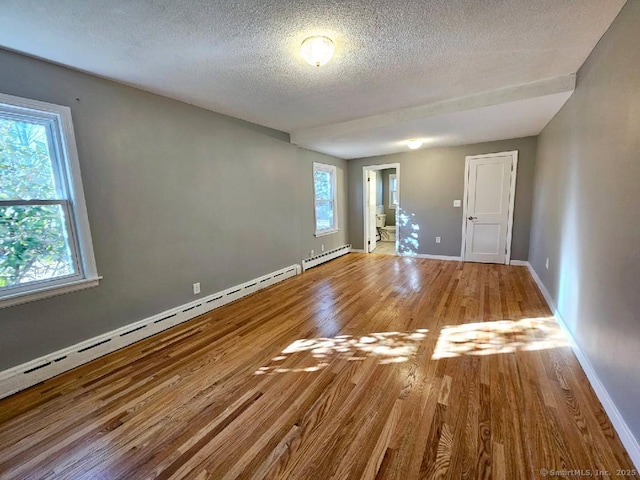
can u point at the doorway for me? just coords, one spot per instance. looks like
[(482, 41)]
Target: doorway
[(489, 200), (381, 208)]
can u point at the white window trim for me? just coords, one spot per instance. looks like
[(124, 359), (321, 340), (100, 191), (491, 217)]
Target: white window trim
[(68, 158), (322, 167), (391, 204)]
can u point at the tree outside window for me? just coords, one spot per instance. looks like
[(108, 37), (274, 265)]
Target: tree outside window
[(324, 188), (45, 243)]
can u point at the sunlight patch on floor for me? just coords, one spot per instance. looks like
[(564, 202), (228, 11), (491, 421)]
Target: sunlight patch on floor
[(502, 336), (316, 353)]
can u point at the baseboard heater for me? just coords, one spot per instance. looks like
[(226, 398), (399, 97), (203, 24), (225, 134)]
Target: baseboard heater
[(28, 374), (308, 263)]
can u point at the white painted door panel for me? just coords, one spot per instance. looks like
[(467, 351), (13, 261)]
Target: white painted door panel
[(488, 201), (372, 210)]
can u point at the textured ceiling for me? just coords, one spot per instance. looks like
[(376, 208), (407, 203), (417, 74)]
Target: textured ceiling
[(241, 57)]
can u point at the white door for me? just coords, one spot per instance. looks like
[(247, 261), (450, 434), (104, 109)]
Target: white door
[(371, 180), (489, 209)]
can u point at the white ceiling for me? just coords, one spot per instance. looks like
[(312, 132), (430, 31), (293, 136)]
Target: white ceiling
[(242, 58), (476, 119)]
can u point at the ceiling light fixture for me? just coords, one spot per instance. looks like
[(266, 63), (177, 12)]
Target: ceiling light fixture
[(414, 144), (317, 50)]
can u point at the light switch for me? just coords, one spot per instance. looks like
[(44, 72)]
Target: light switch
[(457, 203)]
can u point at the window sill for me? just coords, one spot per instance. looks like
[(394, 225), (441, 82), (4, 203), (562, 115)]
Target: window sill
[(322, 233), (46, 292)]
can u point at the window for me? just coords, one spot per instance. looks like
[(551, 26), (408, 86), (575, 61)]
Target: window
[(45, 243), (393, 190), (324, 190)]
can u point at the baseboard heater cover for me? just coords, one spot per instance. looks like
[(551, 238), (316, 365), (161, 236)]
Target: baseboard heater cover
[(31, 373), (308, 263)]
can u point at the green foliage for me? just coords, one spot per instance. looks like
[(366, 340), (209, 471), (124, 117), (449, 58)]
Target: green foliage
[(324, 200), (25, 166), (33, 244)]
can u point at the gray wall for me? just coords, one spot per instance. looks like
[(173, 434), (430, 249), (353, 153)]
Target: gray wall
[(175, 194), (390, 212), (430, 180), (586, 211)]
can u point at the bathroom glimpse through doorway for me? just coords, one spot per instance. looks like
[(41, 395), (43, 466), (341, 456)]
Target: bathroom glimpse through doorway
[(381, 207)]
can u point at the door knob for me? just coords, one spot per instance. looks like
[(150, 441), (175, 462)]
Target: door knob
[(473, 218)]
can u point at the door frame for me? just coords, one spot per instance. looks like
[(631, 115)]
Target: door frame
[(512, 199), (365, 201)]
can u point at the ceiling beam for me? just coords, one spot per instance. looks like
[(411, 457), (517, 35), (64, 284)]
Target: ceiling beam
[(310, 136)]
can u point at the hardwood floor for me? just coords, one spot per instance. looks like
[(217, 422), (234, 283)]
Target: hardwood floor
[(356, 369)]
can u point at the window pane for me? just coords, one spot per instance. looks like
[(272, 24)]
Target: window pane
[(34, 244), (394, 184), (394, 198), (324, 215), (323, 187), (25, 164)]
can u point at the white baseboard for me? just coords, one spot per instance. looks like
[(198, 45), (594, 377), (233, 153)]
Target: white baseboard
[(519, 263), (435, 257), (626, 437), (357, 250), (23, 376)]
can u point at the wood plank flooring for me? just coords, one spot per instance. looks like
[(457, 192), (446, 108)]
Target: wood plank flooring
[(369, 366)]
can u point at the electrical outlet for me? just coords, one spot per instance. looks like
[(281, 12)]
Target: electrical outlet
[(322, 247), (196, 288), (438, 239), (312, 253), (457, 203), (546, 264)]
